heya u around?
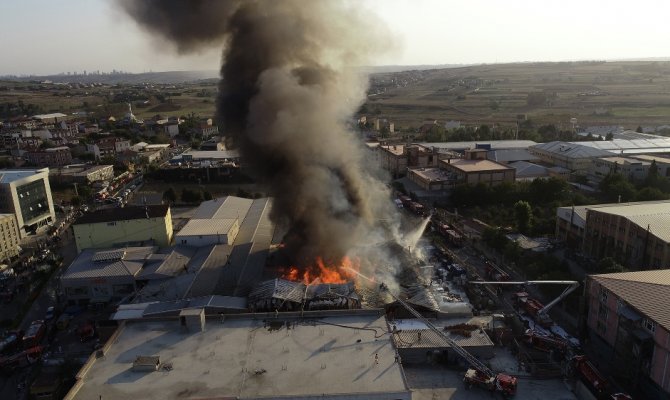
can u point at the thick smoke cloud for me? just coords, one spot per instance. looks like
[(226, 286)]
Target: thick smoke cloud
[(287, 91)]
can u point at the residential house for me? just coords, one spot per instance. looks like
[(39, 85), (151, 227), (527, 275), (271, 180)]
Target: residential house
[(53, 157)]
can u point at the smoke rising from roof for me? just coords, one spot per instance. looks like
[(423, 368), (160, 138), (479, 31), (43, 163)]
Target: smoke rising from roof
[(287, 91)]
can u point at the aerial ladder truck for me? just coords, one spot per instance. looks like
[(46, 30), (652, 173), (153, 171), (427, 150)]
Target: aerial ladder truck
[(478, 373)]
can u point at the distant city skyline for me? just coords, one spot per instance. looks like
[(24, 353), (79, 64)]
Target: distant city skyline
[(42, 37)]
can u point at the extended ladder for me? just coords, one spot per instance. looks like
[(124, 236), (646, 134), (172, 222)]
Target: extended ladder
[(474, 361)]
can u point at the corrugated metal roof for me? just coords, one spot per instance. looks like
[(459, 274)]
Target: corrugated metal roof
[(511, 155), (173, 263), (214, 259), (572, 150), (130, 265), (201, 227), (220, 302), (652, 215), (495, 144), (278, 289), (409, 338), (227, 207), (527, 169), (420, 296), (647, 291)]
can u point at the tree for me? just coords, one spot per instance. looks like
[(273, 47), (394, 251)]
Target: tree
[(608, 265), (170, 195), (609, 136), (639, 129), (207, 195), (523, 215), (190, 196), (75, 201)]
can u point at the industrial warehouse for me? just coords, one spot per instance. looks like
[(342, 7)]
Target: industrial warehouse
[(186, 324)]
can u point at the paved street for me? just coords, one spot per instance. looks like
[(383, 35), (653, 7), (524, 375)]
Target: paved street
[(67, 248)]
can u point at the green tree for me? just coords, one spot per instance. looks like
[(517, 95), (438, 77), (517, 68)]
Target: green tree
[(170, 195), (609, 136), (207, 195), (190, 196), (608, 265), (75, 201), (639, 129), (523, 215)]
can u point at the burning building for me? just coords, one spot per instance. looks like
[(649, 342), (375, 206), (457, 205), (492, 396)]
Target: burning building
[(285, 295), (286, 92)]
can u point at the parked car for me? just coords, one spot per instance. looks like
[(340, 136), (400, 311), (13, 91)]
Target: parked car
[(50, 313)]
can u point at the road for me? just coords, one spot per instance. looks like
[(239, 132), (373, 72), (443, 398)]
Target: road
[(9, 384)]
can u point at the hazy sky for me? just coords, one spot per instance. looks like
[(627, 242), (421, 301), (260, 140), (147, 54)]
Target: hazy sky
[(50, 36)]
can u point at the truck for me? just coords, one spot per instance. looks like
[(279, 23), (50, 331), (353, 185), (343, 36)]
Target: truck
[(21, 359), (532, 307), (503, 383), (496, 273), (478, 374), (590, 376), (545, 343)]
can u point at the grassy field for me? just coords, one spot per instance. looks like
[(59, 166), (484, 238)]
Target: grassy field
[(626, 93)]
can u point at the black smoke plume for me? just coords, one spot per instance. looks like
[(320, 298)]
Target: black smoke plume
[(286, 94)]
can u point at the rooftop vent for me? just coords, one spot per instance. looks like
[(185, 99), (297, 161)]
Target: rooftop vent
[(192, 320), (146, 363), (111, 255)]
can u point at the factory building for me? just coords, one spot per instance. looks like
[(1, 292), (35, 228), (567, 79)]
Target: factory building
[(215, 221), (119, 226), (341, 356), (475, 168), (629, 327), (634, 233)]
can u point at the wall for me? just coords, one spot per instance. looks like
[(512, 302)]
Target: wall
[(107, 234), (9, 237), (659, 371)]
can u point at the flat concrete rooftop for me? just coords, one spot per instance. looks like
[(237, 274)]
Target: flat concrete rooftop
[(346, 356)]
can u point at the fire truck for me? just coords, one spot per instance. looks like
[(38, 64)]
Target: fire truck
[(545, 343), (478, 374), (21, 359), (533, 308), (496, 273), (594, 380)]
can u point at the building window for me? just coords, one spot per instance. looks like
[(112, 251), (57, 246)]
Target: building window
[(603, 295), (649, 325), (33, 204)]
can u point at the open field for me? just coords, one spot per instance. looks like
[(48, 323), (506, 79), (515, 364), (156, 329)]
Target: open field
[(596, 93), (102, 100)]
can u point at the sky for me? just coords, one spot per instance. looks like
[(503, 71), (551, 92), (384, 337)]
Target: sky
[(52, 36)]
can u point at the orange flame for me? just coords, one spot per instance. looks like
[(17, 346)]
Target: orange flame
[(321, 272)]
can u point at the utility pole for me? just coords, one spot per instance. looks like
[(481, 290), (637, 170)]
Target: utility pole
[(76, 192)]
